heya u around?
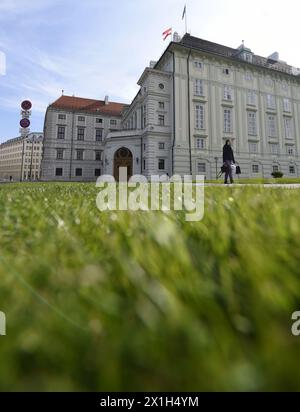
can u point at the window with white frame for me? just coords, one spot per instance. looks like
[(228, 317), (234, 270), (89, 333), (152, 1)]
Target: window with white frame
[(161, 105), (271, 103), (228, 94), (161, 145), (227, 120), (290, 150), (226, 71), (275, 168), (251, 97), (161, 120), (253, 147), (252, 124), (274, 148), (59, 154), (62, 117), (79, 154), (272, 126), (200, 143), (161, 164), (292, 170), (201, 167), (248, 57), (288, 127), (286, 105), (199, 89), (199, 116), (99, 135), (198, 64), (255, 168)]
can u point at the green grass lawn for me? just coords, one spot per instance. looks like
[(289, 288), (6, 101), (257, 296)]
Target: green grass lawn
[(146, 301)]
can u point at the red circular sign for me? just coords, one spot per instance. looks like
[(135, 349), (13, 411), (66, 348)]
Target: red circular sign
[(25, 123), (26, 105)]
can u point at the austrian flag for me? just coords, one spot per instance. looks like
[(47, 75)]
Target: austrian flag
[(167, 33)]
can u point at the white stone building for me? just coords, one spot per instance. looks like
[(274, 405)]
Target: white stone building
[(75, 130), (198, 95), (20, 158)]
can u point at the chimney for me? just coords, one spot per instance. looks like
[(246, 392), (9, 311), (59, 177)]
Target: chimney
[(106, 100)]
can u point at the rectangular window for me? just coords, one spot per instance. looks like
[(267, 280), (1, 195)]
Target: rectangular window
[(62, 117), (226, 71), (81, 118), (79, 154), (252, 127), (286, 105), (271, 103), (61, 132), (199, 117), (201, 167), (161, 164), (59, 154), (251, 97), (288, 127), (161, 145), (98, 154), (198, 64), (161, 105), (272, 126), (144, 164), (113, 122), (253, 147), (274, 148), (255, 168), (227, 120), (58, 171), (292, 170), (275, 168), (99, 135), (78, 172), (161, 120), (144, 116), (97, 172), (98, 120), (80, 133), (290, 150), (228, 94), (199, 90), (200, 143)]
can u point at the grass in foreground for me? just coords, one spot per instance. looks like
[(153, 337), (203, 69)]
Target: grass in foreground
[(146, 301)]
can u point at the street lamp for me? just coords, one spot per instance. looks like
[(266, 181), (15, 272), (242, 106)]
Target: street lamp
[(216, 160)]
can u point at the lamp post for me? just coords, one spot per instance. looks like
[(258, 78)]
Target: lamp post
[(216, 160)]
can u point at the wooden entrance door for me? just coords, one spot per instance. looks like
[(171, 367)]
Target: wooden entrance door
[(123, 158)]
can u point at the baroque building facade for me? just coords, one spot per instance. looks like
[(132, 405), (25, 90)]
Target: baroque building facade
[(75, 131), (194, 98)]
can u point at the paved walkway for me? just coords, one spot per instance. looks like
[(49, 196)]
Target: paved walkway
[(272, 185)]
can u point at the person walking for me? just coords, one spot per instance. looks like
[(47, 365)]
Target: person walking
[(228, 159)]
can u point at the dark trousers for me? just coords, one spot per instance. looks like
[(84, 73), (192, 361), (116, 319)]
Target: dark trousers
[(228, 172)]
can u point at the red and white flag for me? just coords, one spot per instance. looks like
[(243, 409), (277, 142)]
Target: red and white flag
[(167, 33)]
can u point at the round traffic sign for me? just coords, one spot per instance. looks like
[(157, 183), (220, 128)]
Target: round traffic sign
[(25, 123), (26, 105)]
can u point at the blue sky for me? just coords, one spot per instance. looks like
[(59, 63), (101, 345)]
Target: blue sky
[(96, 47)]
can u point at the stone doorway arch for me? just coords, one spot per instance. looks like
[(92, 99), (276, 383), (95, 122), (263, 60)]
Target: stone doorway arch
[(123, 158)]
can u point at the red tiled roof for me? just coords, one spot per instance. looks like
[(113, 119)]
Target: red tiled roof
[(88, 105)]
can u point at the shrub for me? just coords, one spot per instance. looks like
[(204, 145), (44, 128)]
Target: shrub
[(277, 175)]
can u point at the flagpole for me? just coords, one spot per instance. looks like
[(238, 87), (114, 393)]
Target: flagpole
[(185, 19)]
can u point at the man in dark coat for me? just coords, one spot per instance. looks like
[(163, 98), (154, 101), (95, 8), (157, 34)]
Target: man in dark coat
[(228, 159)]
